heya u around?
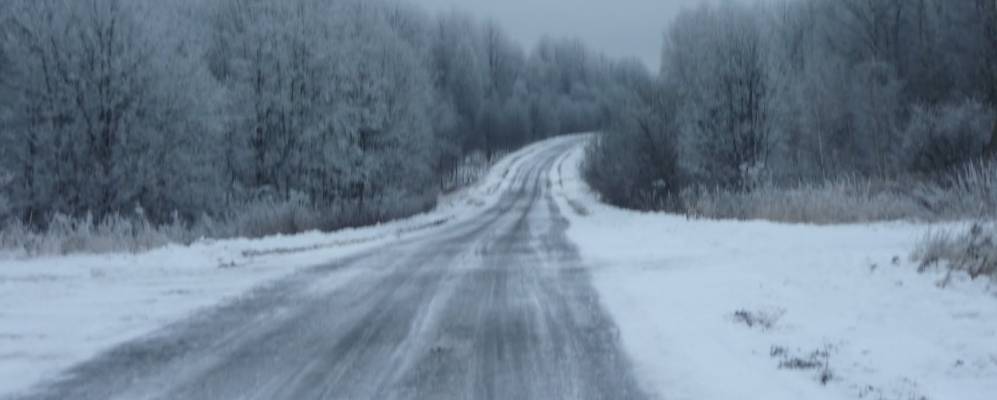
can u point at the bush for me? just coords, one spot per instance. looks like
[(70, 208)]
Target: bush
[(974, 252), (636, 163)]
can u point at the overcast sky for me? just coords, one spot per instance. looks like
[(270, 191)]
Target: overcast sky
[(618, 28)]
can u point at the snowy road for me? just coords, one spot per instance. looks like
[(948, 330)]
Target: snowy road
[(495, 306)]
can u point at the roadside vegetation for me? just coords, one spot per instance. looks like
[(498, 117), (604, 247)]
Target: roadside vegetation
[(128, 124), (973, 252), (812, 111)]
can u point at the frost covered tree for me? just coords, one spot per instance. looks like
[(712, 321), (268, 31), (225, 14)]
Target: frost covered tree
[(355, 110), (97, 119), (459, 77), (636, 163), (327, 100), (798, 91), (716, 61)]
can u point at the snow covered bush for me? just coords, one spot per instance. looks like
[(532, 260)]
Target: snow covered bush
[(973, 252)]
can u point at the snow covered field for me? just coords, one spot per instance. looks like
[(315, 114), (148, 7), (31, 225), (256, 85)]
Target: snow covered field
[(58, 311), (835, 304)]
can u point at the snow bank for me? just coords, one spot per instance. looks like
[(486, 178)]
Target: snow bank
[(843, 303)]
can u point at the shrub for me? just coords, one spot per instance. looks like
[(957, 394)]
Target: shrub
[(974, 252), (969, 191)]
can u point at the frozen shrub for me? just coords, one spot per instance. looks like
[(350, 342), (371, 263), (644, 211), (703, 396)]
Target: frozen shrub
[(974, 252)]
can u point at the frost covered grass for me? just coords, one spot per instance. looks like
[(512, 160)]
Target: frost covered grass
[(134, 233), (116, 233), (295, 215), (965, 193), (973, 252), (64, 235)]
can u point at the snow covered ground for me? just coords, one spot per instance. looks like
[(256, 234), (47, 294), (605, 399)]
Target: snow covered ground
[(841, 304), (58, 311), (836, 304)]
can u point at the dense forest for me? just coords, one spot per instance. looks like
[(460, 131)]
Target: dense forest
[(797, 93), (177, 111), (268, 116)]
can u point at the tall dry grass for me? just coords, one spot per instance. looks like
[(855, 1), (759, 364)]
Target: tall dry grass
[(968, 192), (973, 252)]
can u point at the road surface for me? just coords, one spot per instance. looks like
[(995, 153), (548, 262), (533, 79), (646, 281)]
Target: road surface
[(497, 306)]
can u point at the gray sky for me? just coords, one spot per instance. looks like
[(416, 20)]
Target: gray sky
[(618, 28)]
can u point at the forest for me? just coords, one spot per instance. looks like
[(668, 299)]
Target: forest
[(253, 117), (812, 111)]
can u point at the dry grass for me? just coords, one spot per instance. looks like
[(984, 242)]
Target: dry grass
[(973, 252), (66, 235), (262, 217), (969, 192)]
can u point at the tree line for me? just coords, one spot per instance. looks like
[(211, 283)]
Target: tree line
[(798, 91), (187, 108)]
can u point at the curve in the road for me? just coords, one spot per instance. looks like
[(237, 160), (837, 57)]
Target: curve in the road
[(493, 307)]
